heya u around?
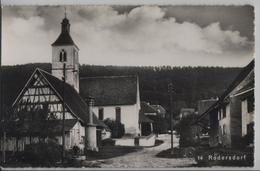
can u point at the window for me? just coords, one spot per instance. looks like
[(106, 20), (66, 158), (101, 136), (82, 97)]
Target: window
[(63, 56), (224, 111), (250, 128), (224, 129), (101, 114), (250, 104), (118, 114)]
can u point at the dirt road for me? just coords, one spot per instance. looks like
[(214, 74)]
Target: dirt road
[(146, 158)]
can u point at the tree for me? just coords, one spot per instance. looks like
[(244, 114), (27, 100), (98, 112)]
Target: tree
[(116, 127)]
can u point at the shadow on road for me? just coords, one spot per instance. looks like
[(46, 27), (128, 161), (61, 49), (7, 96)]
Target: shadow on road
[(177, 153)]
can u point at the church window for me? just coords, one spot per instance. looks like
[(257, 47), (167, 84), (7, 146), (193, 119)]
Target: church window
[(63, 56), (118, 114), (101, 113)]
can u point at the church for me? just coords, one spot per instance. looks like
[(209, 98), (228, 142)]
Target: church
[(57, 103)]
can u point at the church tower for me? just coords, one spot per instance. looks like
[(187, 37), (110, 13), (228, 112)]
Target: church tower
[(65, 55)]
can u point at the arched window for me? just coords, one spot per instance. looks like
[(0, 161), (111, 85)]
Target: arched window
[(63, 56)]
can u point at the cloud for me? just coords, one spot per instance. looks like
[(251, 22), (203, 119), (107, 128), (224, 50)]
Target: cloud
[(142, 36)]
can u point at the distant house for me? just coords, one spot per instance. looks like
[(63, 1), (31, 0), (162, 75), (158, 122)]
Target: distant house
[(155, 110), (145, 124), (156, 116), (232, 116), (116, 98), (203, 105), (185, 112)]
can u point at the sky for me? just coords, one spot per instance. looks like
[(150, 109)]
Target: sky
[(133, 35)]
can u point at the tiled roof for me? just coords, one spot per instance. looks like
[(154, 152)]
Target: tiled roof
[(72, 99), (247, 87), (159, 109), (147, 108), (188, 110), (110, 90), (63, 39)]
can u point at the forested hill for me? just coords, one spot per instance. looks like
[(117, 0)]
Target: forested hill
[(190, 83)]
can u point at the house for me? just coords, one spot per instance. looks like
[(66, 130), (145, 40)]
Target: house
[(185, 112), (47, 100), (116, 98), (38, 115), (156, 115), (203, 105), (231, 118), (246, 95), (155, 110)]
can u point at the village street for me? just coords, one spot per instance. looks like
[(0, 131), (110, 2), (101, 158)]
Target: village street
[(146, 158)]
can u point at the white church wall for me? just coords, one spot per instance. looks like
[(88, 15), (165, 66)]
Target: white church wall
[(129, 116)]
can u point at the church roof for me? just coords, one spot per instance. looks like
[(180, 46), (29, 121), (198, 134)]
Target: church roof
[(110, 90), (72, 99), (64, 37)]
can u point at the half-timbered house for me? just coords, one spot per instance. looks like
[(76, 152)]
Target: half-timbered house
[(50, 104), (39, 110)]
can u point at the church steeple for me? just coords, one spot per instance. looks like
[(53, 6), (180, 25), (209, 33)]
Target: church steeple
[(65, 51), (64, 37), (65, 24)]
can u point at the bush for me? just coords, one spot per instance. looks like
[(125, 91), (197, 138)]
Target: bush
[(188, 132), (42, 154), (117, 128), (108, 142), (76, 150)]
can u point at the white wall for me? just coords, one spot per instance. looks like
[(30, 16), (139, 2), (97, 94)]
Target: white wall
[(129, 116), (76, 136), (225, 139), (247, 118)]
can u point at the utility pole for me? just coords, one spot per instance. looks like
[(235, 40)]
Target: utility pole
[(63, 113), (170, 91)]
